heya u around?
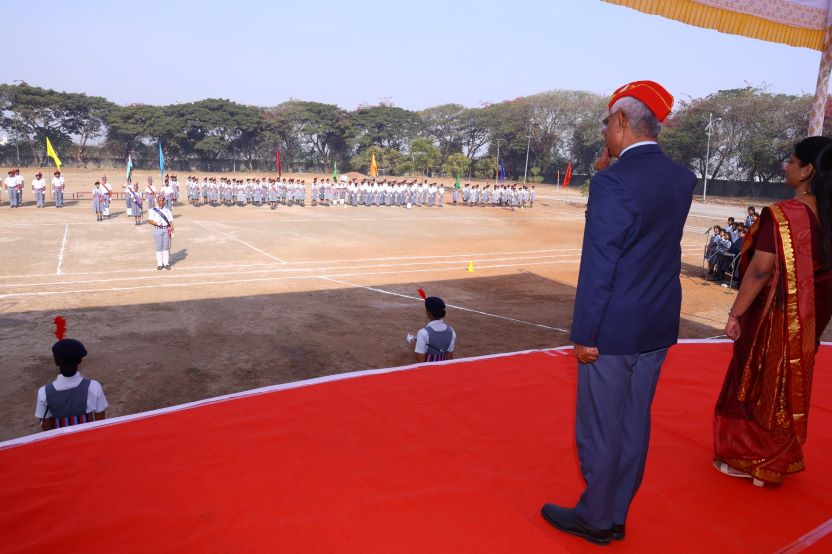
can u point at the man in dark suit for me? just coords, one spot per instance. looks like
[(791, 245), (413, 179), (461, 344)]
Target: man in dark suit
[(626, 308)]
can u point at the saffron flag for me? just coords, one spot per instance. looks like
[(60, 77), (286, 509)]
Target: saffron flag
[(161, 161), (277, 164), (51, 153), (568, 175), (129, 165), (335, 171), (373, 166)]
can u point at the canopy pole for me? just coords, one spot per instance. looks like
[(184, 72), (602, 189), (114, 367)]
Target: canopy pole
[(819, 106)]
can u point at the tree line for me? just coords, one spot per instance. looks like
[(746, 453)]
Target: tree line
[(535, 135)]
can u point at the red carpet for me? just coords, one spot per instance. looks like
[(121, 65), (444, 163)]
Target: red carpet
[(454, 457)]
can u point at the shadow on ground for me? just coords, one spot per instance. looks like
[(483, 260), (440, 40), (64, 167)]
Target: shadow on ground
[(153, 355)]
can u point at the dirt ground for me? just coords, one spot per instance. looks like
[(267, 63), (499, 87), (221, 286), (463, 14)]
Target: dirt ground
[(259, 297)]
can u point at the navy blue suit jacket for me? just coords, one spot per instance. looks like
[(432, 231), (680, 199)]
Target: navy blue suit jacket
[(629, 294)]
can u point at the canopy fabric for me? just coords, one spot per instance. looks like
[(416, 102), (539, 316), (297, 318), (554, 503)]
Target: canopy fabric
[(793, 22)]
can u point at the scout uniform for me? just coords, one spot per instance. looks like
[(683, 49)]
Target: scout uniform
[(162, 220), (39, 188), (58, 189)]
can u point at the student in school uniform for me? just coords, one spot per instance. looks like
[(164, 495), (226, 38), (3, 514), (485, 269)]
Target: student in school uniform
[(135, 202), (11, 189), (98, 203), (149, 193), (39, 188), (71, 399), (436, 340), (532, 195), (58, 189), (108, 193), (19, 186), (440, 191), (168, 194), (161, 219)]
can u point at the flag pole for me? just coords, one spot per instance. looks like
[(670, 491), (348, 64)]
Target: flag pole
[(497, 171)]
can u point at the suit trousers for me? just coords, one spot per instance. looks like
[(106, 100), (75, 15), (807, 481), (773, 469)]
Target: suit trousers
[(612, 431)]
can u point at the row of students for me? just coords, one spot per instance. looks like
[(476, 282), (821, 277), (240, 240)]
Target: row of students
[(230, 192), (514, 196), (368, 192), (14, 187)]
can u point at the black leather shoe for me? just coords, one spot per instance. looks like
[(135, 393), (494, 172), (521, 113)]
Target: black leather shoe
[(167, 266), (617, 531), (158, 268), (568, 521)]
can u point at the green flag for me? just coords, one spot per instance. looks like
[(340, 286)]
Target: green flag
[(334, 171), (456, 185)]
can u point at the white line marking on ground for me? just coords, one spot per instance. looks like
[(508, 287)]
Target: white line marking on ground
[(276, 268), (262, 279), (461, 257), (466, 257), (240, 241), (391, 293), (61, 253)]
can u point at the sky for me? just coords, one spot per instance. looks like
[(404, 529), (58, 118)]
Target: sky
[(413, 54)]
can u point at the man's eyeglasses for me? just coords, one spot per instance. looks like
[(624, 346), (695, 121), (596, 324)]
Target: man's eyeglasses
[(606, 120)]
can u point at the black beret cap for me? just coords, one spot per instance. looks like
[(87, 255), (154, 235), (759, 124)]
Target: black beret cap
[(68, 350)]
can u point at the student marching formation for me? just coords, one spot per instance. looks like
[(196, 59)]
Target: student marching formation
[(368, 192), (274, 192), (158, 202)]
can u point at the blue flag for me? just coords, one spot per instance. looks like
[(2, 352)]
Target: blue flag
[(161, 161), (502, 171), (129, 165)]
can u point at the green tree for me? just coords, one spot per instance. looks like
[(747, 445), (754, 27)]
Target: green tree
[(85, 117), (425, 154), (456, 164), (129, 126), (30, 114), (444, 124), (383, 125)]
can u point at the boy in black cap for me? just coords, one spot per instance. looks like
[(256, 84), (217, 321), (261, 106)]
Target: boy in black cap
[(70, 399), (435, 341)]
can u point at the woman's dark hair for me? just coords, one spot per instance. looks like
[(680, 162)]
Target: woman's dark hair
[(817, 151)]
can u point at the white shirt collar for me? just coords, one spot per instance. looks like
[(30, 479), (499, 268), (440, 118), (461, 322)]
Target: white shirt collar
[(68, 382), (642, 143)]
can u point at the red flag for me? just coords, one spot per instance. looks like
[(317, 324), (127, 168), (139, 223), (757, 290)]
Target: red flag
[(277, 163), (568, 176)]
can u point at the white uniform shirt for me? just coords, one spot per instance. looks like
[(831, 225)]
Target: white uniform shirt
[(38, 184), (57, 183), (11, 183), (154, 217), (96, 402), (422, 336)]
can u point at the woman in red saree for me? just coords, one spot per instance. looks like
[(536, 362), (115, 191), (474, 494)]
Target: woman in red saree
[(783, 307)]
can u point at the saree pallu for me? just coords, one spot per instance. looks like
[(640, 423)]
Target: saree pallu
[(761, 415)]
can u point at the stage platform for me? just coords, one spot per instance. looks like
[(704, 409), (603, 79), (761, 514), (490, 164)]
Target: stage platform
[(450, 457)]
